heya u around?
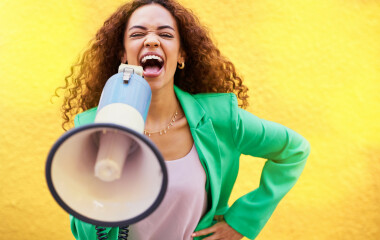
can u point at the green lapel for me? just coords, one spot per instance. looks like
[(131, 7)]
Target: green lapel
[(206, 142)]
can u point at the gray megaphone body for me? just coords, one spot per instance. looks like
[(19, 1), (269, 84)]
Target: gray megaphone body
[(109, 173)]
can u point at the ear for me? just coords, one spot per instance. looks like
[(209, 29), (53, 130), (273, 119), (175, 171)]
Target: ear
[(181, 56)]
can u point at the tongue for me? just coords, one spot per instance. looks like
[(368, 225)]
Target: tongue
[(151, 69)]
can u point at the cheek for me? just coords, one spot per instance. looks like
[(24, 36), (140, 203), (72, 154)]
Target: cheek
[(174, 53), (132, 50), (172, 64)]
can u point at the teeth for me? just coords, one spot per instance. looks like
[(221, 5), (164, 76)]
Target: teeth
[(148, 57)]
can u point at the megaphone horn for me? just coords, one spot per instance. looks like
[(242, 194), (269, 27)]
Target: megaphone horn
[(108, 173)]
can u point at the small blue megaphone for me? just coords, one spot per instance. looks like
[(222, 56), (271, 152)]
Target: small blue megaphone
[(108, 173)]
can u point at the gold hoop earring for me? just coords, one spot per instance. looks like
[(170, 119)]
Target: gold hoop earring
[(182, 65)]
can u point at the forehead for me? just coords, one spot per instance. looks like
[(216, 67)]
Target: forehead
[(151, 15)]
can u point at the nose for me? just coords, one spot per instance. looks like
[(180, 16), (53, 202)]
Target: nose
[(152, 41)]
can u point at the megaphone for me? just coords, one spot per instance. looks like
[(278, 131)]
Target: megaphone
[(108, 173)]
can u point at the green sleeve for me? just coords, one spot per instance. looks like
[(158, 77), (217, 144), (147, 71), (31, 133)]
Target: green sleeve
[(85, 231), (286, 152)]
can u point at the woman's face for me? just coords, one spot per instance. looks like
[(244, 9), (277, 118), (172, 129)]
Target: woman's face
[(151, 40)]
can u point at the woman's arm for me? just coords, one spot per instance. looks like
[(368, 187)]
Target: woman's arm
[(286, 152)]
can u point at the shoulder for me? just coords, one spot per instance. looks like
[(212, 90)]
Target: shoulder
[(219, 107), (85, 117), (215, 100)]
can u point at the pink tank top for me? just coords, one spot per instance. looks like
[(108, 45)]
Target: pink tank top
[(183, 206)]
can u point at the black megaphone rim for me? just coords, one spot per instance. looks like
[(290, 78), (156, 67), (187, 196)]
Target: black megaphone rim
[(79, 216)]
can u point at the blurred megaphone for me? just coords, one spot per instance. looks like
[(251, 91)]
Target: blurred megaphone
[(108, 173)]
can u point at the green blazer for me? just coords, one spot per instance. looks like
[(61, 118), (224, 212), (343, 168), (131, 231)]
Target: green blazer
[(222, 132)]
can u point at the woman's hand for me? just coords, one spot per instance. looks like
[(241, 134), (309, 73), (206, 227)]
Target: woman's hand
[(221, 231)]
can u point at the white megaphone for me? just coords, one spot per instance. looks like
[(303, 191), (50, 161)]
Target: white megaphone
[(108, 173)]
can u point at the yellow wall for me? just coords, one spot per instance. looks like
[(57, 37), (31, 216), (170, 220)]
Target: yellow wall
[(311, 65)]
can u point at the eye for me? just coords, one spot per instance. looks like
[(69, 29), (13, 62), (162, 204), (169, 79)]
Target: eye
[(166, 35), (137, 34)]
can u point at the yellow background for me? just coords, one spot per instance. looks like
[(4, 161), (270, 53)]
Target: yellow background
[(313, 66)]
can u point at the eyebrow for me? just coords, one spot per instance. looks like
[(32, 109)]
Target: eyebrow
[(144, 28)]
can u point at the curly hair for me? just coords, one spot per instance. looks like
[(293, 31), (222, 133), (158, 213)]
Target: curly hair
[(206, 71)]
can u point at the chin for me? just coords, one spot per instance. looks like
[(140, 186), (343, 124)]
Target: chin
[(158, 84)]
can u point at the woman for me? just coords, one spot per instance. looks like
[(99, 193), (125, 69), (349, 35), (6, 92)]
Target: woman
[(194, 120)]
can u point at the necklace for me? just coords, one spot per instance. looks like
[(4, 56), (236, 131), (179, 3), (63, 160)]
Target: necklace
[(163, 131)]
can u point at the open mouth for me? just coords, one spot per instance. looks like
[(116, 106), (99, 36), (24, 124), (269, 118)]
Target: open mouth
[(152, 65)]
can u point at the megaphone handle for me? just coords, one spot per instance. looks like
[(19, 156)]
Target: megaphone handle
[(123, 233)]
